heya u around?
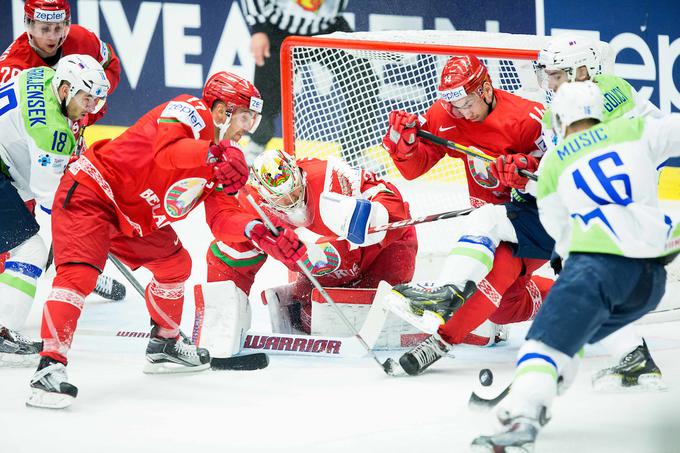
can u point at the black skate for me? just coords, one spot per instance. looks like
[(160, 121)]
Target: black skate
[(443, 301), (636, 370), (172, 355), (17, 350), (519, 436), (423, 355), (49, 386), (109, 288)]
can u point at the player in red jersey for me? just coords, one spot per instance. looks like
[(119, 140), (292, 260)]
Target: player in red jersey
[(120, 197), (488, 275), (49, 36), (316, 198)]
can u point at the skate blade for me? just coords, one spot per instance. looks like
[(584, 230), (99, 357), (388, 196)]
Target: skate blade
[(8, 360), (173, 368), (429, 322), (614, 384), (48, 400)]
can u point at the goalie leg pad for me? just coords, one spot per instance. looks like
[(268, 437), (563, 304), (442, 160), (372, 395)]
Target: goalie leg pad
[(222, 318)]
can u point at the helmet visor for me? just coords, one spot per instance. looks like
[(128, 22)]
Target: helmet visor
[(48, 30), (90, 103), (247, 120)]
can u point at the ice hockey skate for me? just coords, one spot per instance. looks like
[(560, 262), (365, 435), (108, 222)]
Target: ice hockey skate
[(16, 350), (518, 437), (174, 355), (49, 386), (636, 371), (442, 301), (423, 355), (109, 288)]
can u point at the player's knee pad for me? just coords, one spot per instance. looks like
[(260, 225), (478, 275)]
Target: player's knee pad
[(31, 252), (222, 318), (81, 278), (175, 268)]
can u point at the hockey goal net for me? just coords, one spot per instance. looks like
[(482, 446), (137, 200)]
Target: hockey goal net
[(338, 90)]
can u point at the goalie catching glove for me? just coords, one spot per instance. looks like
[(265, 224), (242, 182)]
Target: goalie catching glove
[(401, 140), (229, 165), (286, 247), (506, 169)]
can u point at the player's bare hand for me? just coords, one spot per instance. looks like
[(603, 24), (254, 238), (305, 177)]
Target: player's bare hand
[(230, 167), (401, 140), (259, 46), (506, 169)]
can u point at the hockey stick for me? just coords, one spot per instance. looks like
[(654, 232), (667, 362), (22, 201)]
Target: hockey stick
[(404, 223), (466, 150), (245, 362), (480, 403), (389, 366)]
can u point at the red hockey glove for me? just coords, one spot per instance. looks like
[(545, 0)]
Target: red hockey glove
[(401, 140), (230, 167), (286, 247), (506, 169)]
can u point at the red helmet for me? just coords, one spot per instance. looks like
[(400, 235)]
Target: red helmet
[(235, 92), (462, 76), (47, 10)]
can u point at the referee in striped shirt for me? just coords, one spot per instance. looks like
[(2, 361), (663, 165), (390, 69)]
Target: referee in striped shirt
[(271, 21)]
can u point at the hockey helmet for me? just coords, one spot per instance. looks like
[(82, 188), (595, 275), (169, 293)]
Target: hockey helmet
[(576, 101), (83, 72), (568, 53), (236, 92), (57, 13), (279, 180), (461, 77)]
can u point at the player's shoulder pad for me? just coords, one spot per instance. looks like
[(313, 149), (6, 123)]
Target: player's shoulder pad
[(185, 109)]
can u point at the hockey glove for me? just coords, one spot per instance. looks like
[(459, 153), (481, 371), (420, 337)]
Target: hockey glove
[(286, 247), (506, 169), (229, 165), (401, 140)]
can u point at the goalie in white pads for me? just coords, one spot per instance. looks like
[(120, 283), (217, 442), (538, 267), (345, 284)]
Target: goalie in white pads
[(572, 58), (309, 199), (597, 197)]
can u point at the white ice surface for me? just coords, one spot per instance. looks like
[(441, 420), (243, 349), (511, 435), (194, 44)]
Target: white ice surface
[(310, 404)]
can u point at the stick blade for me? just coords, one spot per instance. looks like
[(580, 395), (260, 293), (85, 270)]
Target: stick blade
[(241, 363)]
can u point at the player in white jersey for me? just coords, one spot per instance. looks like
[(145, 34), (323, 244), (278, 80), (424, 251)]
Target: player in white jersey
[(37, 110), (568, 58), (597, 197)]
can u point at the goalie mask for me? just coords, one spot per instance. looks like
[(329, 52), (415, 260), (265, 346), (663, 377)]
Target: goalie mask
[(83, 73), (241, 98), (462, 77), (567, 53), (576, 101), (47, 24), (279, 181)]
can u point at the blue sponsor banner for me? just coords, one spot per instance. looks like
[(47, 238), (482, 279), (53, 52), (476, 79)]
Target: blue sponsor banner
[(168, 48)]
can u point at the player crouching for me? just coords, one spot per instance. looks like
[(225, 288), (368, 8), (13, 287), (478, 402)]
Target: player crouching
[(309, 199)]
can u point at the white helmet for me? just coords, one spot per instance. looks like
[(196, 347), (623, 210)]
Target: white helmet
[(576, 101), (568, 53), (279, 180), (82, 72)]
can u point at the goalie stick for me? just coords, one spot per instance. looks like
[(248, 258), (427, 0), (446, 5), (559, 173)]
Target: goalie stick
[(466, 150), (390, 366), (242, 362), (404, 223)]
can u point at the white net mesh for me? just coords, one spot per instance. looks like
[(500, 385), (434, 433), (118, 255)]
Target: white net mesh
[(344, 89)]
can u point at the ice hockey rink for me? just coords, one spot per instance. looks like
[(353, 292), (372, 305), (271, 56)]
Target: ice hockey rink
[(310, 404)]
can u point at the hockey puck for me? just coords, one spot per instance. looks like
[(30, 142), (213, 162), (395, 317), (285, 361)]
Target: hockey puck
[(486, 377), (241, 362)]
